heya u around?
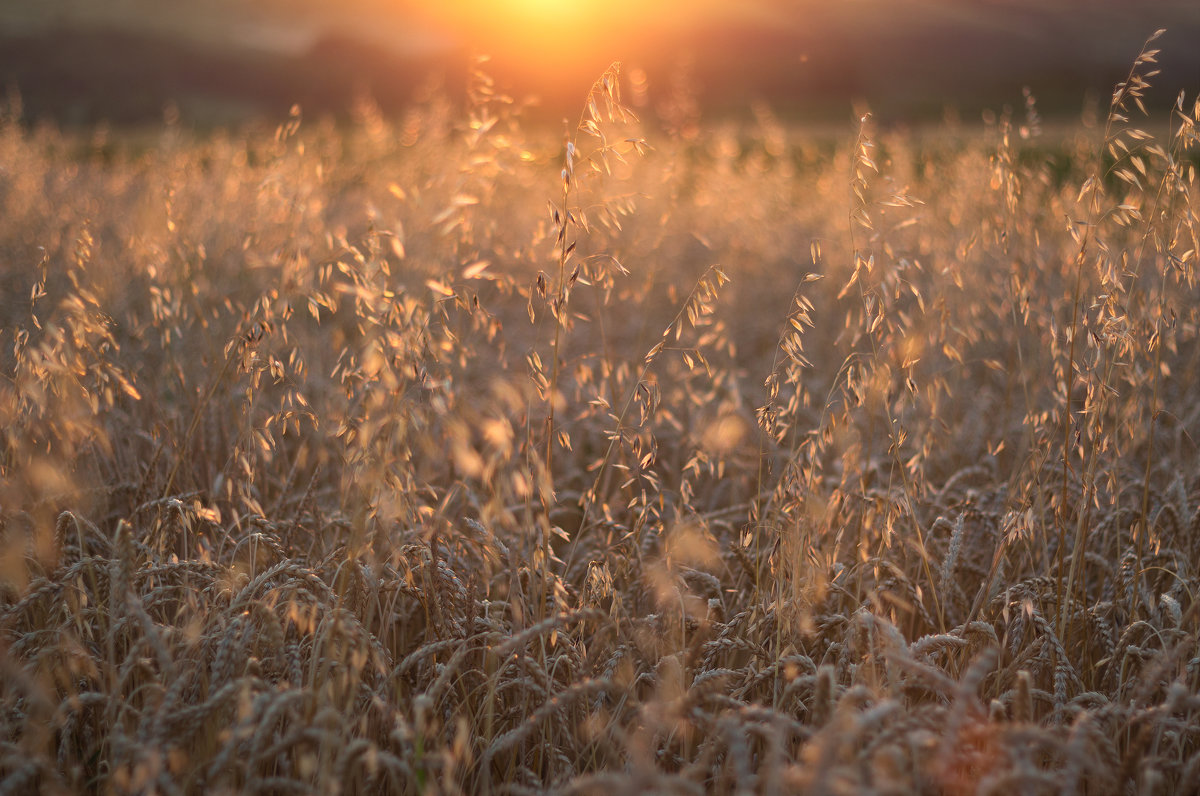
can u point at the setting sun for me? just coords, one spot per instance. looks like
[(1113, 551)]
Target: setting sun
[(556, 40)]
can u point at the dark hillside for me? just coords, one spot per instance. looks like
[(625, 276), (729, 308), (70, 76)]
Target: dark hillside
[(80, 76)]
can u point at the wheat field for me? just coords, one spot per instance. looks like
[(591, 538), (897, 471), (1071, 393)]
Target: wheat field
[(446, 454)]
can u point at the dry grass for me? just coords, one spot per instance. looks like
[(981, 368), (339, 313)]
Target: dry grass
[(336, 461)]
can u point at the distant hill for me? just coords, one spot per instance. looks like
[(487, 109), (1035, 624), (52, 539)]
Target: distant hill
[(914, 56), (81, 76)]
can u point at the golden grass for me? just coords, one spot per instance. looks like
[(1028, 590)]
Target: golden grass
[(337, 461)]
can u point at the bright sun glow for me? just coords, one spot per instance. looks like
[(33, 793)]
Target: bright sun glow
[(558, 40)]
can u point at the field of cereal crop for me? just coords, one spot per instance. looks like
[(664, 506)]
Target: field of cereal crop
[(440, 454)]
